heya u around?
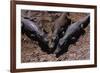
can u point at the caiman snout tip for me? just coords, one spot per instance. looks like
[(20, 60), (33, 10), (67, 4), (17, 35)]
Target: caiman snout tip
[(51, 46)]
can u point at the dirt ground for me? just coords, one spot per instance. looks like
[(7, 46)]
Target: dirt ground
[(30, 50)]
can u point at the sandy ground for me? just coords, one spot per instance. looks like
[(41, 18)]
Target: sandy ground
[(31, 52)]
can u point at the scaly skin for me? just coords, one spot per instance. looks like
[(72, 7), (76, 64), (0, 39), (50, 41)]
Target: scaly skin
[(71, 32), (33, 32), (59, 26)]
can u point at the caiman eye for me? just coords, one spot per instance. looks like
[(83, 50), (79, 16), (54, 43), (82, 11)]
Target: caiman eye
[(32, 35), (81, 25), (73, 38)]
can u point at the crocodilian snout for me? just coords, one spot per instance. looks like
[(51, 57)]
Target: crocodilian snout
[(59, 46), (54, 42), (57, 50), (52, 45)]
